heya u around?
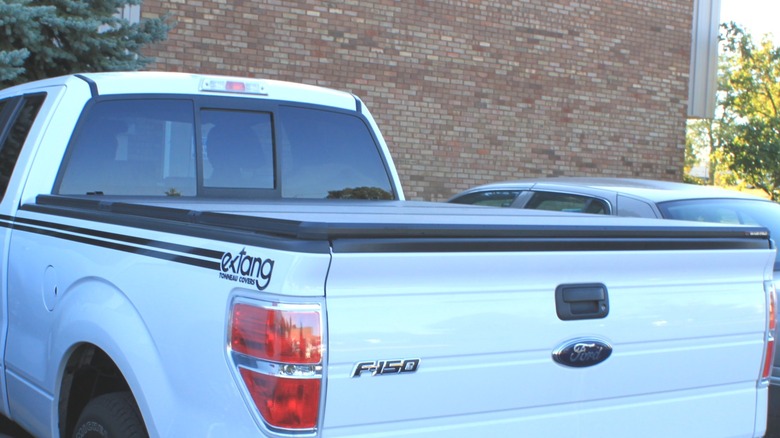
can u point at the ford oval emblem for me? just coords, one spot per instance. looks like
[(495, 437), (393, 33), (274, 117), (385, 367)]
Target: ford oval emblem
[(582, 353)]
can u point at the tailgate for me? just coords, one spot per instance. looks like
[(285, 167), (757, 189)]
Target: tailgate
[(426, 339)]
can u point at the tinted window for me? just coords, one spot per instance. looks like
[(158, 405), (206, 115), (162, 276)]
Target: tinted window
[(328, 154), (567, 202), (727, 211), (133, 147), (239, 149), (10, 148), (149, 147), (491, 198), (634, 207)]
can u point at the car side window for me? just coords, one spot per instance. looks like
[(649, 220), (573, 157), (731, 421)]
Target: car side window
[(491, 198), (19, 124), (631, 207), (554, 201)]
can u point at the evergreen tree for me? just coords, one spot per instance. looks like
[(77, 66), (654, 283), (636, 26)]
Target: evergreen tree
[(47, 38)]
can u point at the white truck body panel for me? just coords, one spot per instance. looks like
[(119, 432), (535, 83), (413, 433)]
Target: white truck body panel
[(8, 207), (135, 327), (483, 324), (489, 351)]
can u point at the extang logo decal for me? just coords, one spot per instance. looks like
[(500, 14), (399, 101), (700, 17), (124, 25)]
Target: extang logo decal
[(246, 269)]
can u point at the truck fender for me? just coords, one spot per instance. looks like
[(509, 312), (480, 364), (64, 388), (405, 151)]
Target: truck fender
[(96, 312)]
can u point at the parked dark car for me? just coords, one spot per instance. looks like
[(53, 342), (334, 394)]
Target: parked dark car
[(628, 197)]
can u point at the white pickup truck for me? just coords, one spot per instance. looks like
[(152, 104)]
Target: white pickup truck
[(198, 256)]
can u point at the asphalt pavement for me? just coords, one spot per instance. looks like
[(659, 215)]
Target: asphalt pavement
[(773, 426), (9, 429)]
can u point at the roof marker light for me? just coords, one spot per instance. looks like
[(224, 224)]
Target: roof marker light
[(241, 86)]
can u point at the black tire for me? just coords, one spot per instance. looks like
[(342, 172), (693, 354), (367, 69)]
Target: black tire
[(113, 415)]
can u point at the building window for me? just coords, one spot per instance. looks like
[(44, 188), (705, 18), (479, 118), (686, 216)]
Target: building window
[(131, 13)]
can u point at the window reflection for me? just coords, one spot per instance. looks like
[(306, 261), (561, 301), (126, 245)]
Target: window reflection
[(239, 149), (133, 147), (148, 147), (330, 155)]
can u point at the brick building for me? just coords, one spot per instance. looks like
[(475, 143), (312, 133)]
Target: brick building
[(468, 91)]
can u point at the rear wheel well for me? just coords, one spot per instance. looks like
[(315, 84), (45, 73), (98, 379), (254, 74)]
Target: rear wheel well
[(89, 373)]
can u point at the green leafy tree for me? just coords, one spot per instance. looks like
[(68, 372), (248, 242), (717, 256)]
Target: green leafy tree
[(48, 38), (360, 193), (698, 144), (749, 120), (704, 147)]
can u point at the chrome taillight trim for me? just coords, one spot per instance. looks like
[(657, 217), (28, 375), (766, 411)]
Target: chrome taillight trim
[(315, 371)]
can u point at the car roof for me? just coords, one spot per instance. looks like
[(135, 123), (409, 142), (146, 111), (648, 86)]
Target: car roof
[(651, 190)]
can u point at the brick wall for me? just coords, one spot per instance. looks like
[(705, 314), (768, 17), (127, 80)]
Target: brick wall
[(467, 91)]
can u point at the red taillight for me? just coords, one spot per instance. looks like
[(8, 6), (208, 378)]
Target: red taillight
[(769, 351), (284, 403), (277, 352), (287, 336), (772, 309)]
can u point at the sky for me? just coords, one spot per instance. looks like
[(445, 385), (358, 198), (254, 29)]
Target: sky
[(758, 17)]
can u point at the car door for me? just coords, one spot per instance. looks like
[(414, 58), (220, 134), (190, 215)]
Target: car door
[(17, 115)]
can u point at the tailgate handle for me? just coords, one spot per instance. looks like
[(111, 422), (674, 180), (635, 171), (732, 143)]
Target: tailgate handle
[(581, 301)]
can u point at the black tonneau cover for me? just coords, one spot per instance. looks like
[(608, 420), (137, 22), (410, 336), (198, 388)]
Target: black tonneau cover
[(400, 226)]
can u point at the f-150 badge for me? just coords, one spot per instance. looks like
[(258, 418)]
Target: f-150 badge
[(385, 367), (582, 353)]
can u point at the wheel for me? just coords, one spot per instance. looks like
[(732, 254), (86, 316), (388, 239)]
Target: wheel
[(112, 415)]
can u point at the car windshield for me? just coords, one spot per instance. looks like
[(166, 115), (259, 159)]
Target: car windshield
[(727, 211)]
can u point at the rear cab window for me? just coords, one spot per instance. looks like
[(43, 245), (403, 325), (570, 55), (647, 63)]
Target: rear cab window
[(331, 155), (190, 147), (132, 147)]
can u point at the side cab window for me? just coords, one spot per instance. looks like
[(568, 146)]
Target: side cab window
[(16, 118)]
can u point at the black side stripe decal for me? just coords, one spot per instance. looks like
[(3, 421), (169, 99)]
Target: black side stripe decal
[(120, 237), (84, 237)]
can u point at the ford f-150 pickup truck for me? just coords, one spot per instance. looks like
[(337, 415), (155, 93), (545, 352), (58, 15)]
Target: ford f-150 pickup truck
[(201, 256)]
